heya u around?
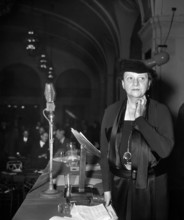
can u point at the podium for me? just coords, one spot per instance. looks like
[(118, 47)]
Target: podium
[(82, 194)]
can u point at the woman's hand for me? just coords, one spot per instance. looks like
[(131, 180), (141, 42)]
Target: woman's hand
[(107, 198), (140, 107)]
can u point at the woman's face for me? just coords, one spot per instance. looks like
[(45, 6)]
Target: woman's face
[(135, 84)]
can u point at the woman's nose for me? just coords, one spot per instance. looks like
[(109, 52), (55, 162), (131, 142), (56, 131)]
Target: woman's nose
[(135, 81)]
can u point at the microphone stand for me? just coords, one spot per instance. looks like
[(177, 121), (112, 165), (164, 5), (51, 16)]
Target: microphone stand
[(51, 192)]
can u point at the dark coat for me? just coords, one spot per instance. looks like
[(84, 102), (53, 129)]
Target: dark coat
[(24, 147), (39, 156), (157, 130)]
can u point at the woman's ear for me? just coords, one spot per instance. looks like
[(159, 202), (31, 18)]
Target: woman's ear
[(122, 83), (149, 84)]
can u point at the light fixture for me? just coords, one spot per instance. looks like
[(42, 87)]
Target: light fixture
[(50, 72), (43, 62), (159, 58), (162, 56), (31, 42), (51, 68)]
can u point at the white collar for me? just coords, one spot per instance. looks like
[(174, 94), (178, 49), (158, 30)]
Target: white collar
[(62, 140), (25, 139), (41, 143)]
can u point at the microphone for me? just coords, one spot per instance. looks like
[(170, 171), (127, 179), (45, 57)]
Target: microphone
[(50, 96)]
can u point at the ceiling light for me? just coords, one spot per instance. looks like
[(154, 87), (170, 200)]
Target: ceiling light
[(31, 42)]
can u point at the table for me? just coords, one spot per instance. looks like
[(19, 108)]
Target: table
[(36, 207)]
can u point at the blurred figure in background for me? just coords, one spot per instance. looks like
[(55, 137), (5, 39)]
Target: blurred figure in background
[(11, 138), (60, 142), (3, 137), (24, 143), (38, 130), (40, 153)]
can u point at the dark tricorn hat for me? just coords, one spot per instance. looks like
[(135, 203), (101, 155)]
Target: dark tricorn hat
[(136, 66)]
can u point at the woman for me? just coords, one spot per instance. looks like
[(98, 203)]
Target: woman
[(136, 136)]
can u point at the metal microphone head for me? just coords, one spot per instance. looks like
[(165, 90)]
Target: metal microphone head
[(49, 92), (50, 96)]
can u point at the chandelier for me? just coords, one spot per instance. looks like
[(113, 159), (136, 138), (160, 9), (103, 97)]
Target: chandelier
[(43, 62), (46, 67), (31, 43), (50, 72)]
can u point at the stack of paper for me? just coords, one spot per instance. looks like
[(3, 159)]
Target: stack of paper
[(98, 212)]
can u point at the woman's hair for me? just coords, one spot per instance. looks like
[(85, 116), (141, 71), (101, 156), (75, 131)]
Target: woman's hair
[(136, 66)]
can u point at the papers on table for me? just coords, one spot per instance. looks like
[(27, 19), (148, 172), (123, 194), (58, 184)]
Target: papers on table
[(97, 212), (61, 218)]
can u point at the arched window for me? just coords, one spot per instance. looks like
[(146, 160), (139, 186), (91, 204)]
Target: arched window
[(19, 80)]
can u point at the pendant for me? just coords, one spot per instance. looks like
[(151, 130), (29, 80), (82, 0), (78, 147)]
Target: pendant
[(127, 158), (128, 165)]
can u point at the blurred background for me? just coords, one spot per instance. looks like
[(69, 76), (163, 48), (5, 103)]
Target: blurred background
[(77, 45)]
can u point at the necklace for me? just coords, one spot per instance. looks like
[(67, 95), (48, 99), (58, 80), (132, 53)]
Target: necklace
[(127, 155)]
